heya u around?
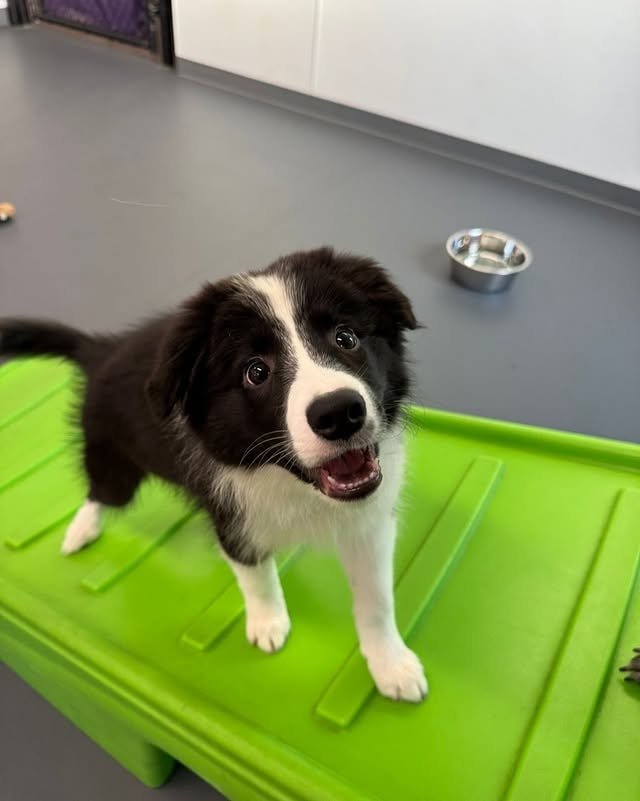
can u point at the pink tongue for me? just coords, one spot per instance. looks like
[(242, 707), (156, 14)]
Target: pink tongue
[(350, 462)]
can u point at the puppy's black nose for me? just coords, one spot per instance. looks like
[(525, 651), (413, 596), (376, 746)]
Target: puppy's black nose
[(337, 415)]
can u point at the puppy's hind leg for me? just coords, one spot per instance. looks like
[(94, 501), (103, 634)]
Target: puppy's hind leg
[(83, 529), (113, 481)]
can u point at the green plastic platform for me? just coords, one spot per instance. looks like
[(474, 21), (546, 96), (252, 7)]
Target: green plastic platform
[(516, 584)]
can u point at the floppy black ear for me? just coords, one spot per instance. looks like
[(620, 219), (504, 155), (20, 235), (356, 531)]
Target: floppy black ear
[(178, 378), (371, 279), (374, 281)]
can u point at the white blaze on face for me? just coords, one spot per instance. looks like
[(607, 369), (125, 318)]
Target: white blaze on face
[(311, 379)]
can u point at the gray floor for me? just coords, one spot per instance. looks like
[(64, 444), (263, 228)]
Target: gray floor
[(133, 186)]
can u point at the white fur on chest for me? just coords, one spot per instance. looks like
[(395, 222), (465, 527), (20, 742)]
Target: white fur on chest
[(280, 510)]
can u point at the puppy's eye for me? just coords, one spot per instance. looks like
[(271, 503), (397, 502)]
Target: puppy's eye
[(345, 338), (256, 373)]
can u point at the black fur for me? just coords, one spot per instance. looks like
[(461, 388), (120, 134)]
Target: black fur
[(168, 397), (33, 337)]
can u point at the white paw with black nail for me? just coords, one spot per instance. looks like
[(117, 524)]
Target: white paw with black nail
[(268, 630), (398, 674)]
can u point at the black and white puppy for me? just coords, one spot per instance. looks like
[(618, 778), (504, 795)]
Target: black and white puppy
[(274, 399)]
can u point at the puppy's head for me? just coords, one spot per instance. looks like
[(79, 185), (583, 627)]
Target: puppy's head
[(299, 365)]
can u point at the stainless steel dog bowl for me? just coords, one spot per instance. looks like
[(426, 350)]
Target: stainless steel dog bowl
[(486, 261)]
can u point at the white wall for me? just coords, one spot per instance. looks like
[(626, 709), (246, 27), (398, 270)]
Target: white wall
[(269, 40), (554, 80)]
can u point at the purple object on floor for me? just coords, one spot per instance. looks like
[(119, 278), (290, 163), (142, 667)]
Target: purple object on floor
[(126, 18)]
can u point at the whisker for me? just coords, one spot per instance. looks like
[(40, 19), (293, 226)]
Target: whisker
[(258, 450), (260, 458), (262, 439), (290, 462), (273, 459), (272, 452)]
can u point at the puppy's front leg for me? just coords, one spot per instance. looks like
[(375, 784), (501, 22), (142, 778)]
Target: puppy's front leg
[(368, 561), (267, 619)]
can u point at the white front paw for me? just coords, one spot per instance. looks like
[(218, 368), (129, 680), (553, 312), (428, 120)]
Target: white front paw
[(398, 674), (268, 629)]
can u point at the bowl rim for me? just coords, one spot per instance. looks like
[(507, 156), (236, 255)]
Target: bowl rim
[(528, 257)]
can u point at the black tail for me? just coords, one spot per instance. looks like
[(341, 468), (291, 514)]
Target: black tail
[(42, 338)]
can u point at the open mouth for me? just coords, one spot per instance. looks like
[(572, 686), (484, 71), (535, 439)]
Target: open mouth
[(352, 475)]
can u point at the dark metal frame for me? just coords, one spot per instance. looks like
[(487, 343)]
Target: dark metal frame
[(19, 12), (114, 37), (159, 22), (161, 29)]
